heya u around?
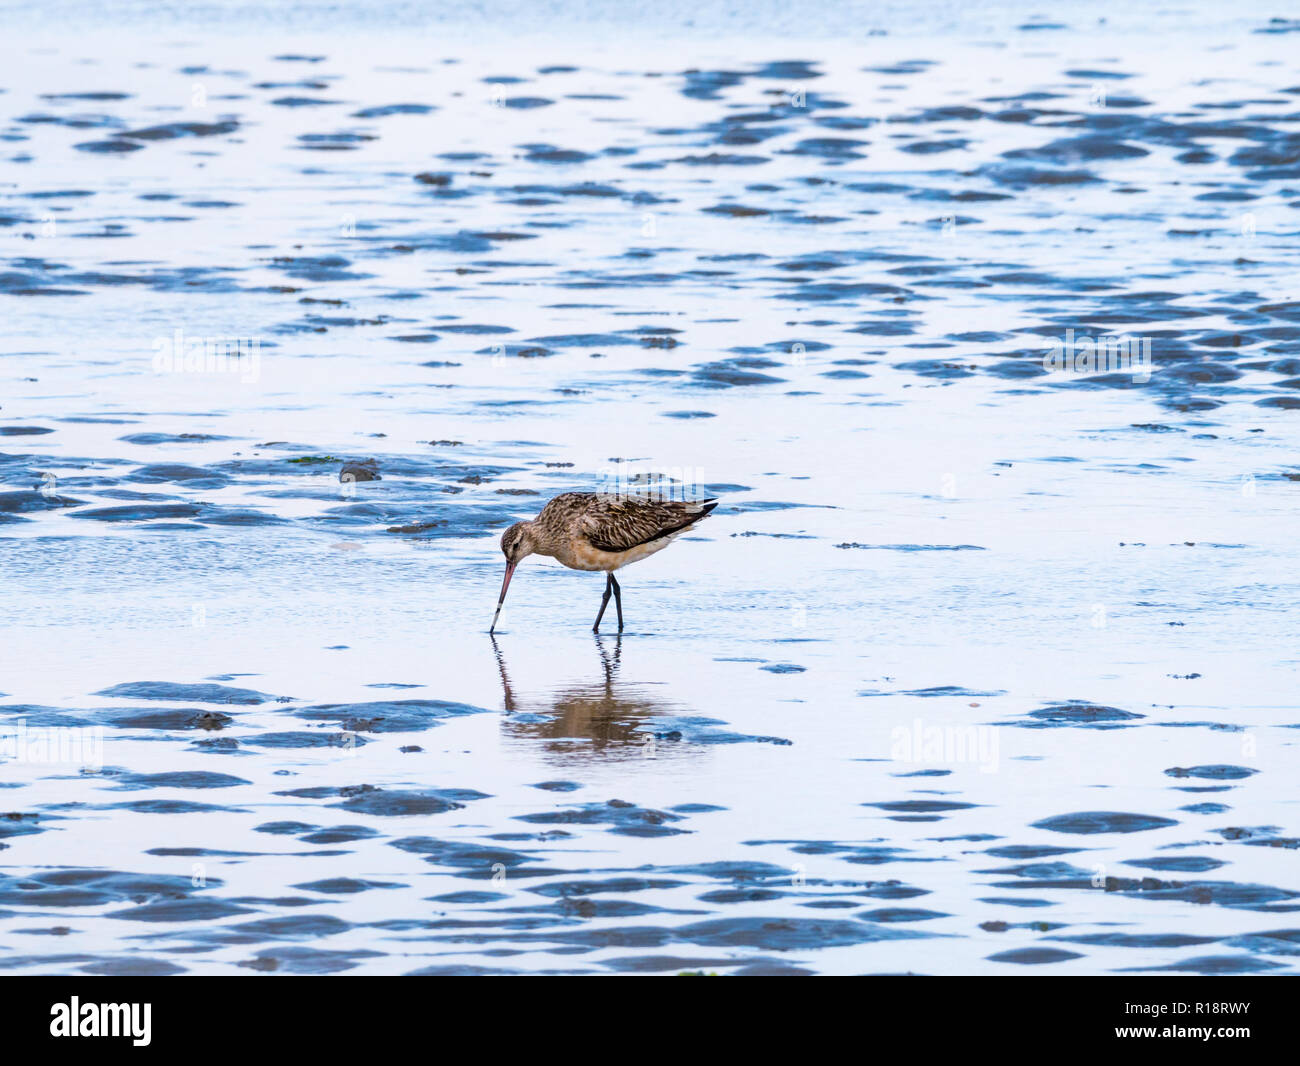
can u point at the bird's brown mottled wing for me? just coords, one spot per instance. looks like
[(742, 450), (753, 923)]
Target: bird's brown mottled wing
[(618, 523)]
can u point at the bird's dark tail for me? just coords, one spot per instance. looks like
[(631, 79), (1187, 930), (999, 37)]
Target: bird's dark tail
[(703, 509)]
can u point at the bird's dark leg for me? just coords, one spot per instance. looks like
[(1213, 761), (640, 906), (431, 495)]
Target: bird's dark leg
[(618, 600), (604, 601)]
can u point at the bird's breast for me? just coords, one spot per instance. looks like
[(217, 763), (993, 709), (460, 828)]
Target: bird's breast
[(579, 555)]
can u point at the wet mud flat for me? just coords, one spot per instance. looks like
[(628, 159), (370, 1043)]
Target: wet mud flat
[(982, 665)]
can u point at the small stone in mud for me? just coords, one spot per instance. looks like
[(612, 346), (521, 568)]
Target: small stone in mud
[(266, 964), (366, 470)]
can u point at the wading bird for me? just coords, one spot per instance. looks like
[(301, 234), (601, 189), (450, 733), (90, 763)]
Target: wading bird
[(599, 531)]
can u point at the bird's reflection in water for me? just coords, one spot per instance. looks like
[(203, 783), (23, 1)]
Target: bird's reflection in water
[(603, 716)]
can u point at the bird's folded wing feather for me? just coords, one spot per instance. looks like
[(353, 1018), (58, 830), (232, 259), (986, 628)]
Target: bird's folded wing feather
[(615, 525)]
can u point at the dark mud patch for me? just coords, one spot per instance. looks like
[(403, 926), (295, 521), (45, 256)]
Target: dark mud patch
[(1090, 822), (183, 693), (388, 716)]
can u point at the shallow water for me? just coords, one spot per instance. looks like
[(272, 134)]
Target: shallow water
[(977, 668)]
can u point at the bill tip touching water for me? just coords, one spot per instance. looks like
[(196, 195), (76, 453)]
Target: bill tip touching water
[(599, 531)]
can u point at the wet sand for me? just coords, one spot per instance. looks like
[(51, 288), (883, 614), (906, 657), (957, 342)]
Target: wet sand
[(979, 667)]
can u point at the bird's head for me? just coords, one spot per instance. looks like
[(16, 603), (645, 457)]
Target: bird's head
[(516, 543)]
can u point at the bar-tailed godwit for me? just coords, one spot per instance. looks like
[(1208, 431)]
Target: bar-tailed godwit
[(599, 531)]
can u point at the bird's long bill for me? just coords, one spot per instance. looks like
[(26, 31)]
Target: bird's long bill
[(510, 569)]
